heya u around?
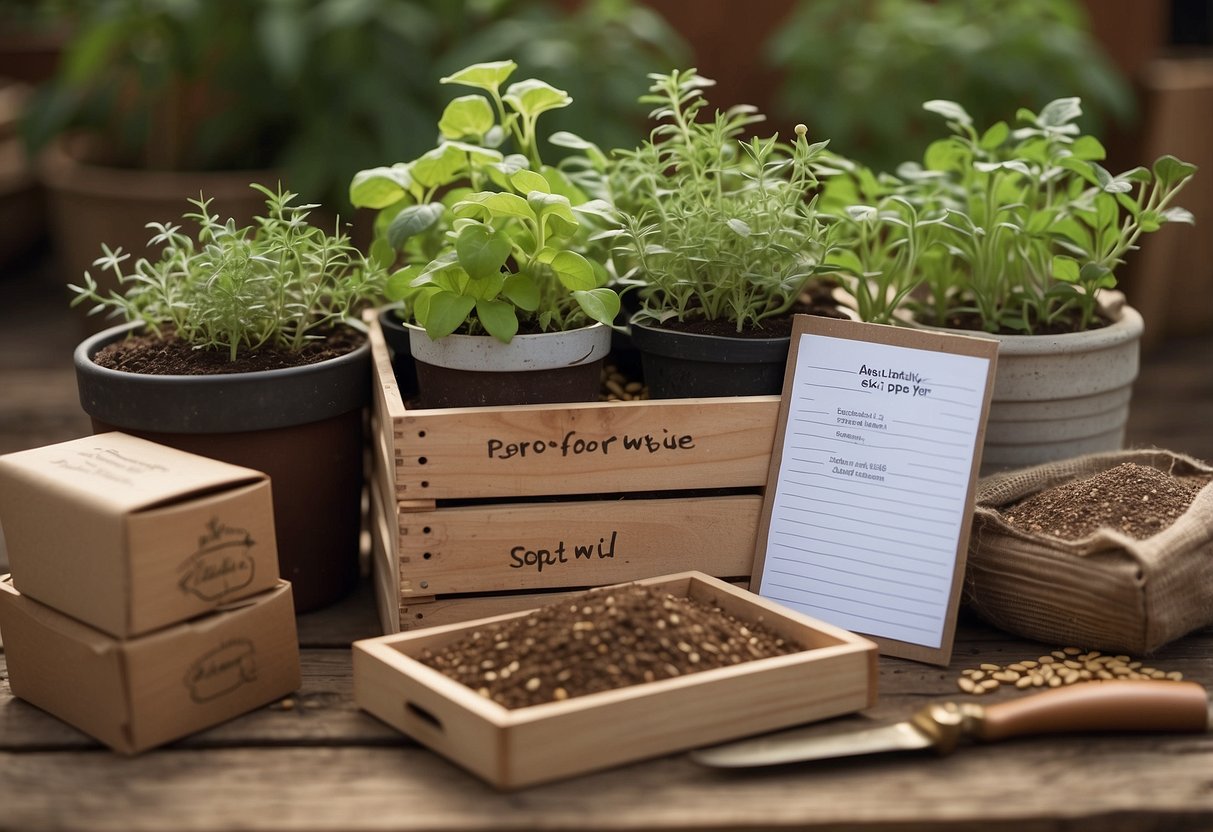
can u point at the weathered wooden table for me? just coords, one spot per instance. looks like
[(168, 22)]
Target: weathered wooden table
[(316, 762), (323, 765)]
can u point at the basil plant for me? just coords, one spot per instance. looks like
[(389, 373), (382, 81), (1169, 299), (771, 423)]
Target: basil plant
[(485, 237)]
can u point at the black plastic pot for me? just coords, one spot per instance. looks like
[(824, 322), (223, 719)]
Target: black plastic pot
[(684, 365), (303, 426)]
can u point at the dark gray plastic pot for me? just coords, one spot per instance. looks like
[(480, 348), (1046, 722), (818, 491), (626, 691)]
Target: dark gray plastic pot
[(685, 365), (303, 426)]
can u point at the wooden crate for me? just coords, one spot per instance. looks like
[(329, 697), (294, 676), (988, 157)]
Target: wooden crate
[(835, 674), (469, 503)]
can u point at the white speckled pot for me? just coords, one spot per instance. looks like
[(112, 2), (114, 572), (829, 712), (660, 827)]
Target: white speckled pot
[(480, 371), (1060, 396)]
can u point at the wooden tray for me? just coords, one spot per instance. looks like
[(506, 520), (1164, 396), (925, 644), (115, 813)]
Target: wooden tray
[(835, 674)]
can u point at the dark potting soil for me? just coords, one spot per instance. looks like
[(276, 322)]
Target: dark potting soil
[(602, 640), (821, 305), (1065, 324), (1137, 500), (168, 355)]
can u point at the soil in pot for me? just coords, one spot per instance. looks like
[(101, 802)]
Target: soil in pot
[(603, 640), (1136, 500)]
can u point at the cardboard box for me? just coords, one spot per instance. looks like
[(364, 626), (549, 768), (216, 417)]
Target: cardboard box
[(130, 536), (136, 694), (835, 674)]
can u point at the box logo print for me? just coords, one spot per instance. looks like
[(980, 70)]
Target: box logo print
[(222, 670), (223, 563)]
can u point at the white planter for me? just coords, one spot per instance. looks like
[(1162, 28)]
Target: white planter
[(480, 371), (1060, 396)]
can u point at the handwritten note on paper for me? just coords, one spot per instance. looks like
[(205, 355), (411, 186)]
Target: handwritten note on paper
[(873, 495)]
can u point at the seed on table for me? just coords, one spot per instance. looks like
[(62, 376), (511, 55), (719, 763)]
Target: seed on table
[(1005, 676), (1148, 671), (1046, 660), (1175, 676), (533, 683), (1029, 664), (966, 684), (1158, 674), (1059, 655), (1104, 674), (989, 684), (1071, 651), (559, 694), (1018, 667), (977, 675), (1122, 658), (633, 387), (987, 666), (1055, 682), (1073, 665), (1085, 675), (1025, 682)]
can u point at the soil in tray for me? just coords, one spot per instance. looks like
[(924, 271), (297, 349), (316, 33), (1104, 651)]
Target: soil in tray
[(1137, 500), (603, 640)]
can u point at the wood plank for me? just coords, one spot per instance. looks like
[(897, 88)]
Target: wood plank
[(546, 545), (718, 443), (1107, 784)]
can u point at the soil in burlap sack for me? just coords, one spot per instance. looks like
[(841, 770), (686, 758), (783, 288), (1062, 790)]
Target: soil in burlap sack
[(1100, 575)]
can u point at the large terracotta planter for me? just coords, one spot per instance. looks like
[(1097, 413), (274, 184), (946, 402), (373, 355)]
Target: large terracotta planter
[(480, 371), (92, 203), (303, 426), (1061, 396)]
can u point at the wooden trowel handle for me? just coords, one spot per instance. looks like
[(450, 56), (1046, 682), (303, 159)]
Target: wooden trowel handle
[(1100, 706)]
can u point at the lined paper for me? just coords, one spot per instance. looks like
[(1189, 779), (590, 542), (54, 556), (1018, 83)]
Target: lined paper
[(872, 494)]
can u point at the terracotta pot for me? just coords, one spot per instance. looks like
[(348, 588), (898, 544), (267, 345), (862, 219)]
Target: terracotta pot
[(303, 426), (480, 371), (1061, 396), (92, 203), (681, 365)]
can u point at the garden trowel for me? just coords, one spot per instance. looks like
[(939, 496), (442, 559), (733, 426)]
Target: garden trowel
[(1088, 707)]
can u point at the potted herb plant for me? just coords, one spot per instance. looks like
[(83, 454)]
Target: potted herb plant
[(723, 239), (505, 306), (240, 347), (1015, 234)]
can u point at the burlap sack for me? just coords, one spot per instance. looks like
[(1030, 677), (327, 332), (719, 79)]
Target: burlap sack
[(1106, 591)]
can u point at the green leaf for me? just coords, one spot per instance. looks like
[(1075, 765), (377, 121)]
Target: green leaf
[(600, 304), (380, 187), (482, 251), (995, 136), (467, 116), (481, 155), (1059, 112), (941, 155), (1088, 148), (400, 285), (525, 181), (382, 253), (439, 166), (521, 290), (1170, 171), (562, 185), (1097, 275), (498, 319), (487, 76), (572, 141), (532, 97), (447, 312), (1150, 221), (1138, 174), (574, 271), (949, 110), (413, 220), (738, 227), (1065, 268), (1178, 214), (846, 260), (1083, 168), (496, 204)]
